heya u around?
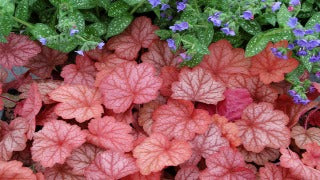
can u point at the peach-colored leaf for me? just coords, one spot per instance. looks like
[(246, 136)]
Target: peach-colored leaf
[(83, 72), (259, 91), (292, 161), (145, 115), (157, 152), (180, 120), (81, 157), (62, 172), (312, 156), (47, 114), (32, 104), (188, 173), (130, 83), (261, 126), (139, 176), (224, 61), (13, 170), (226, 164), (169, 75), (13, 137), (139, 34), (126, 117), (209, 142), (17, 51), (107, 133), (305, 136), (273, 172), (111, 165), (271, 68), (98, 54), (268, 154), (77, 101), (55, 142), (43, 64), (197, 85), (160, 55), (236, 100)]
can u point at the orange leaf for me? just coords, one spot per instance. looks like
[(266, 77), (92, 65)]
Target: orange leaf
[(274, 172), (305, 136), (14, 170)]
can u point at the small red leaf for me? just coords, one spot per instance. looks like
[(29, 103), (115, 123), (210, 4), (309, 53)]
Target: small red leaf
[(226, 164), (145, 115), (261, 126), (77, 101), (156, 152), (312, 156), (139, 34), (160, 55), (139, 176), (236, 100), (81, 157), (188, 173), (125, 117), (272, 172), (268, 154), (83, 72), (14, 170), (271, 68), (43, 64), (169, 75), (61, 172), (197, 85), (107, 133), (304, 136), (224, 61), (17, 51), (180, 120), (55, 142), (111, 165), (98, 54), (130, 83)]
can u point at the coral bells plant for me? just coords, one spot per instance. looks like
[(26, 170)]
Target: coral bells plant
[(176, 97)]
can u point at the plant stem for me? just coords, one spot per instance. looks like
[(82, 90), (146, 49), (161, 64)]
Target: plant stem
[(8, 99), (136, 7), (81, 38), (22, 22), (14, 74)]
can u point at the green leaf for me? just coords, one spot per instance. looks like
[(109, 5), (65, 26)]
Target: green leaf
[(251, 27), (117, 8), (41, 30), (306, 63), (22, 10), (90, 16), (118, 24), (6, 7), (132, 2), (313, 21), (164, 34), (190, 15), (6, 23), (97, 29), (62, 42), (283, 16), (271, 19), (259, 41), (83, 4), (196, 59), (205, 35), (293, 76), (104, 3), (74, 18), (193, 45)]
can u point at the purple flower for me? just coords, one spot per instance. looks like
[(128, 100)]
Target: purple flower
[(170, 18), (298, 32), (292, 22), (263, 0), (247, 15), (317, 74), (179, 27), (317, 27), (80, 52), (181, 6), (278, 53), (164, 7), (294, 2), (312, 44), (297, 98), (171, 44), (185, 56), (73, 32), (101, 44), (302, 53), (43, 41), (290, 46), (315, 58), (163, 14), (228, 31), (292, 92), (275, 6), (154, 3), (216, 21), (302, 42), (312, 89), (309, 31)]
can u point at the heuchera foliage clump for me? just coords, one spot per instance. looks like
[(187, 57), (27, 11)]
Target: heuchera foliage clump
[(129, 111)]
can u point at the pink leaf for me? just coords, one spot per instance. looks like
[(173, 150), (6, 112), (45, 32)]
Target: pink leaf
[(62, 172), (111, 165), (43, 64), (130, 83), (188, 173), (180, 120), (77, 101), (55, 142), (292, 161), (107, 133), (312, 156), (139, 176), (139, 34), (197, 85), (261, 126), (83, 72), (268, 154), (304, 136), (145, 115), (271, 171), (14, 170), (209, 142), (236, 100), (226, 164), (157, 152), (81, 157), (46, 115), (169, 75), (17, 51), (160, 55)]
